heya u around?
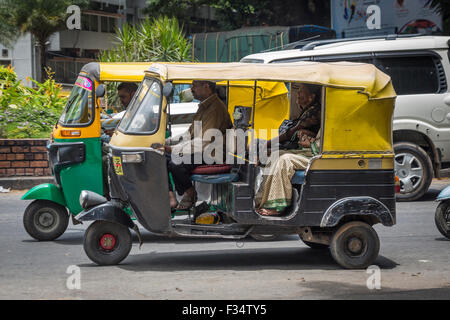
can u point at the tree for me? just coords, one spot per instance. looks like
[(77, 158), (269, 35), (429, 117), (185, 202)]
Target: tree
[(159, 39), (442, 7), (8, 33), (41, 18)]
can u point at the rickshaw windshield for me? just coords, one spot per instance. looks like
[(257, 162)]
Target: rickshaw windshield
[(78, 110), (143, 114)]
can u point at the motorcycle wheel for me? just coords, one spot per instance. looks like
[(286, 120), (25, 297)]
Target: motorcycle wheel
[(442, 218)]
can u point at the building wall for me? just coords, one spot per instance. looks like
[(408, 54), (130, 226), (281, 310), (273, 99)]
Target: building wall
[(22, 57), (23, 157), (87, 40)]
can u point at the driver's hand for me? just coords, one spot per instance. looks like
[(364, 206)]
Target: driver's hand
[(161, 147), (109, 132)]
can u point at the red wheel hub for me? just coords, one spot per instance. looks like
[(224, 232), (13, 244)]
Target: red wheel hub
[(107, 241)]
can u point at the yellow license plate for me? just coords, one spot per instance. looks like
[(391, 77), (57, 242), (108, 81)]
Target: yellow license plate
[(117, 161)]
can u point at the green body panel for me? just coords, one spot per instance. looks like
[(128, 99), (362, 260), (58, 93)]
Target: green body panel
[(46, 191), (82, 176)]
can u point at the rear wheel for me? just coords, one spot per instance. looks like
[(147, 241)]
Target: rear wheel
[(414, 169), (45, 220), (442, 218), (355, 245), (107, 243)]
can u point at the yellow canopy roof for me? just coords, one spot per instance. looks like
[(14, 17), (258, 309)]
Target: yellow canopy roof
[(365, 77), (117, 71)]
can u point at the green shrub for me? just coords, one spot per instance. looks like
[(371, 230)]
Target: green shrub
[(160, 39), (28, 112)]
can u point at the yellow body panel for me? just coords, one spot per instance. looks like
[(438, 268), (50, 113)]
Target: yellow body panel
[(123, 72), (353, 164), (353, 123), (271, 104)]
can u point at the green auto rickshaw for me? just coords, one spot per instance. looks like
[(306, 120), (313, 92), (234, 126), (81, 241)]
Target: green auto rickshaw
[(75, 151)]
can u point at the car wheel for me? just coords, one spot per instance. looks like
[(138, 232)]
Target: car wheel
[(414, 170), (107, 243), (45, 220), (355, 245), (442, 218)]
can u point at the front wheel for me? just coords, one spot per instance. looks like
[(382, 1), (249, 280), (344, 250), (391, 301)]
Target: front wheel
[(442, 218), (355, 245), (414, 169), (107, 243), (45, 220)]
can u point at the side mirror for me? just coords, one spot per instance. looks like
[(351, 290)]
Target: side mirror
[(100, 91), (168, 89)]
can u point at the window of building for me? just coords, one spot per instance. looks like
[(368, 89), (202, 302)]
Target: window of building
[(89, 22), (108, 24)]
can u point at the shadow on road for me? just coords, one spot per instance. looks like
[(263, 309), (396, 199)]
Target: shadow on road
[(238, 259), (430, 195), (76, 238), (339, 290)]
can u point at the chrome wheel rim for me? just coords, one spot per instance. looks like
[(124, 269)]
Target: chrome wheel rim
[(409, 170)]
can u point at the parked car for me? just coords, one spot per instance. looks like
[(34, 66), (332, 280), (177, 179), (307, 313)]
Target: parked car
[(419, 68)]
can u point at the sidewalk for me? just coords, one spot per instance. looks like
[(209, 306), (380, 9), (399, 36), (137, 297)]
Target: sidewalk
[(24, 183)]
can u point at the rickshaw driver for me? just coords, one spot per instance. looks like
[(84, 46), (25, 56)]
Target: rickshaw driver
[(213, 114), (125, 91)]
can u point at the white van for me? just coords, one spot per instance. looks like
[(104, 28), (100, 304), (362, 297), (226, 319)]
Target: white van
[(419, 68)]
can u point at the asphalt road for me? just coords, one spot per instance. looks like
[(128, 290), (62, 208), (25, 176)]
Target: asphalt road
[(413, 262)]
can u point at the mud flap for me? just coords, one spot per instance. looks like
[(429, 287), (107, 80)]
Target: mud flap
[(110, 211)]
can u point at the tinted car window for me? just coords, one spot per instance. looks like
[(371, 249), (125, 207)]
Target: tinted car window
[(411, 75)]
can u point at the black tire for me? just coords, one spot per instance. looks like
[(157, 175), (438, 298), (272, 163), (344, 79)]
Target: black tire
[(315, 245), (264, 237), (45, 220), (442, 218), (120, 242), (414, 168), (355, 245)]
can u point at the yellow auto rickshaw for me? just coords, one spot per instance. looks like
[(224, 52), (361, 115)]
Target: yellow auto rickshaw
[(347, 186)]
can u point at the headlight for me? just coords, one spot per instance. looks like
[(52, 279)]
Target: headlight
[(133, 157)]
